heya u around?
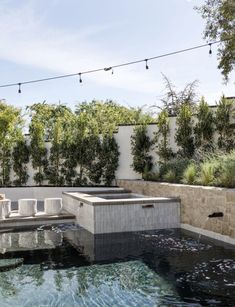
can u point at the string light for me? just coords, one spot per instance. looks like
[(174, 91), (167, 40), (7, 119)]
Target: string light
[(19, 90), (80, 77), (112, 67), (210, 50), (146, 64)]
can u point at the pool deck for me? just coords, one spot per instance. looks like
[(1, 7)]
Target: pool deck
[(41, 218)]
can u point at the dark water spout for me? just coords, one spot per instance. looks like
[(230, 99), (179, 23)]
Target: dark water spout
[(216, 214)]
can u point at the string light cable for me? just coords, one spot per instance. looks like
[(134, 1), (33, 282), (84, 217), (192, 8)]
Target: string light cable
[(79, 74)]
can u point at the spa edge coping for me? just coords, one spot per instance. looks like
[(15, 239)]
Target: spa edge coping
[(96, 201)]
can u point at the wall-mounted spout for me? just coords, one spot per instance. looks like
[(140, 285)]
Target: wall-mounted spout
[(216, 214)]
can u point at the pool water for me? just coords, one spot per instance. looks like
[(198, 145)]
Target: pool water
[(67, 266)]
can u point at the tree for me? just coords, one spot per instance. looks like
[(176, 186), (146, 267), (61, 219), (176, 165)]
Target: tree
[(220, 25), (225, 129), (173, 99), (140, 146), (162, 137), (11, 124), (204, 128), (60, 117), (183, 137), (20, 157), (104, 117)]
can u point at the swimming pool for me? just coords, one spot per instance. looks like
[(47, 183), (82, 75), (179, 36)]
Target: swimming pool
[(67, 266)]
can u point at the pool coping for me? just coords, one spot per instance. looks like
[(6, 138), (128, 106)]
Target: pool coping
[(96, 201)]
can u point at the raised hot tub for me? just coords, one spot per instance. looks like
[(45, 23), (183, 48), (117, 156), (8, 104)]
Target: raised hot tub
[(119, 210)]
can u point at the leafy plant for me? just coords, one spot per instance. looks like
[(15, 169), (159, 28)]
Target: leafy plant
[(207, 175), (177, 165), (183, 136), (170, 176), (140, 147), (20, 157), (10, 131), (220, 25), (190, 174), (225, 129), (162, 138), (204, 127)]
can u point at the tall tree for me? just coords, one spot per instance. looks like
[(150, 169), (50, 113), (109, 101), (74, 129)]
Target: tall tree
[(220, 25), (226, 130), (162, 137), (10, 131), (204, 127), (184, 131), (174, 99), (20, 157), (140, 147)]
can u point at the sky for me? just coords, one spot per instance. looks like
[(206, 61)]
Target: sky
[(47, 38)]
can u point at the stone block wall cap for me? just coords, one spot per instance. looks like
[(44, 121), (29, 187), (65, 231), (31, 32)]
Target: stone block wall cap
[(53, 198)]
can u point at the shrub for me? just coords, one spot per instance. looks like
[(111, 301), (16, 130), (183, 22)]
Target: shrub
[(170, 176), (208, 170), (177, 165), (226, 177), (151, 176), (190, 173)]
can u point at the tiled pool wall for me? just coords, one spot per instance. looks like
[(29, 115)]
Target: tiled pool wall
[(197, 203), (99, 215)]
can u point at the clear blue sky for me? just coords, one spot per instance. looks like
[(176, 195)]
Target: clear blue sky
[(45, 38)]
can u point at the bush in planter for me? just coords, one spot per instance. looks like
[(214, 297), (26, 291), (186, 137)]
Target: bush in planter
[(190, 174), (226, 177), (176, 165), (170, 176), (208, 171)]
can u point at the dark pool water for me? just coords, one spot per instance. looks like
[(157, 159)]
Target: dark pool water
[(67, 266)]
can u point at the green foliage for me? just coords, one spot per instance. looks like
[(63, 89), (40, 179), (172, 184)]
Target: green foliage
[(190, 174), (183, 137), (20, 156), (226, 176), (177, 165), (140, 147), (162, 137), (109, 158), (60, 116), (38, 151), (225, 129), (204, 128), (170, 176), (10, 131), (104, 117), (220, 25), (208, 170), (173, 99)]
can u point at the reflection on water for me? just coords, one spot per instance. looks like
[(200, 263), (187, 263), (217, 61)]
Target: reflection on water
[(68, 266)]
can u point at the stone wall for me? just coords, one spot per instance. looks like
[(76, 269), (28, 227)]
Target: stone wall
[(197, 203)]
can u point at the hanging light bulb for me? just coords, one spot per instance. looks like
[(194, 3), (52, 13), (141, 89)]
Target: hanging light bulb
[(210, 50), (112, 71), (80, 77), (146, 64), (19, 90)]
